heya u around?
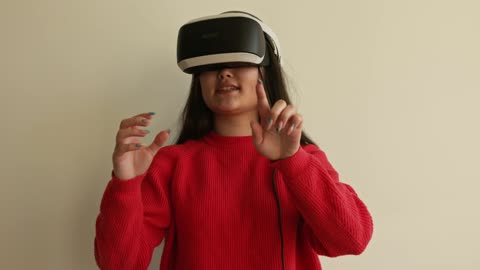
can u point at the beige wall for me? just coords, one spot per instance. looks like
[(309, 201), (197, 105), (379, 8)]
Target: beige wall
[(389, 89)]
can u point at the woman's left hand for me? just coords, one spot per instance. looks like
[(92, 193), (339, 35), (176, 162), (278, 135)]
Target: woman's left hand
[(278, 138)]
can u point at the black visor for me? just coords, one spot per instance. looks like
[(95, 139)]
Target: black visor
[(213, 42)]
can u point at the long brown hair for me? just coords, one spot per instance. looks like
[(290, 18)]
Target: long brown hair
[(197, 119)]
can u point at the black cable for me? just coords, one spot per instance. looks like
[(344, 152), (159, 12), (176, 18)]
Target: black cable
[(276, 198), (279, 217)]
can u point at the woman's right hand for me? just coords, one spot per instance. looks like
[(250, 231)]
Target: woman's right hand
[(131, 158)]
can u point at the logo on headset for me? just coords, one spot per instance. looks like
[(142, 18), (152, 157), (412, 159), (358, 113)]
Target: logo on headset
[(210, 35)]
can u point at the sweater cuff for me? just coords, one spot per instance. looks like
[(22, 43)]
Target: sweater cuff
[(130, 185), (293, 165)]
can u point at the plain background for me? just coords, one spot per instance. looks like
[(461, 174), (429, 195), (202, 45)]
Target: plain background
[(388, 89)]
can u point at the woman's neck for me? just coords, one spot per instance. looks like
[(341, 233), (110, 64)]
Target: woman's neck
[(235, 125)]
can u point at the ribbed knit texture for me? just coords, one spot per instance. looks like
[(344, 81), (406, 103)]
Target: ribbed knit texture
[(213, 201)]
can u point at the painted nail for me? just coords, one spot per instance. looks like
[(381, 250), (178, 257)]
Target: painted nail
[(138, 145), (291, 128), (269, 122), (260, 81), (151, 113), (146, 131)]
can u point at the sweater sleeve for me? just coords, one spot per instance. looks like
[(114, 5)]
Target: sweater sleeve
[(134, 216), (335, 221)]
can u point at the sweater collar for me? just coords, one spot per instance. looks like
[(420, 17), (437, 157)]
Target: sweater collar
[(216, 139)]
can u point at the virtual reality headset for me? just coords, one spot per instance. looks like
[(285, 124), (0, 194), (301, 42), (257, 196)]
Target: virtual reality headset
[(230, 39)]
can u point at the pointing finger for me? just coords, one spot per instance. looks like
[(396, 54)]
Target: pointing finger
[(263, 105), (262, 96)]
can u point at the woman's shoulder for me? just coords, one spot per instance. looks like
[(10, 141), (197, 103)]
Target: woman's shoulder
[(310, 148)]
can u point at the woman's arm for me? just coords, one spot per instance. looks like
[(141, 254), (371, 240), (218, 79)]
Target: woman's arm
[(337, 222), (134, 216)]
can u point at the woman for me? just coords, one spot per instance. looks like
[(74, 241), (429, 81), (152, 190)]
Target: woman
[(242, 188)]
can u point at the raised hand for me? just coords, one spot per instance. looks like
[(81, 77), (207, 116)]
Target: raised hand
[(278, 135), (130, 157)]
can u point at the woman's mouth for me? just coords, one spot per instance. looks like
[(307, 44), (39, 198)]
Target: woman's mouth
[(227, 89)]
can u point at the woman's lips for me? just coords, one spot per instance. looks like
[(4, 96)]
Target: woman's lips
[(227, 89)]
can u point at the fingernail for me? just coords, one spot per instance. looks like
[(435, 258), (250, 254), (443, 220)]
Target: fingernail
[(269, 122), (291, 128), (147, 131), (260, 81), (151, 113), (280, 126), (278, 130), (168, 131), (138, 145)]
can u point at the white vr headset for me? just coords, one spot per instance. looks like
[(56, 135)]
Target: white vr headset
[(231, 38)]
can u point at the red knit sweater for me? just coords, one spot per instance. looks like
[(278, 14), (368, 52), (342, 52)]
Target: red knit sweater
[(213, 201)]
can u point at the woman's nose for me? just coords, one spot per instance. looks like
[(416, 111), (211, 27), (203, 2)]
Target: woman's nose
[(225, 73)]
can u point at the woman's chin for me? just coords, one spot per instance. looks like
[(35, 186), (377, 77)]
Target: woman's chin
[(224, 106), (226, 110)]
